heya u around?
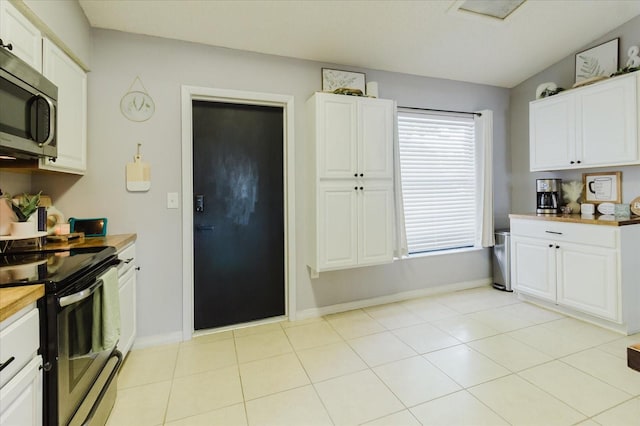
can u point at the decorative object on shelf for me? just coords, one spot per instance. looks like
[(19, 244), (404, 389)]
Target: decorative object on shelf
[(606, 208), (603, 187), (571, 191), (6, 215), (543, 90), (589, 81), (347, 91), (634, 59), (138, 174), (586, 208), (566, 210), (24, 207), (621, 210), (372, 89), (635, 206), (137, 105), (597, 61), (338, 79)]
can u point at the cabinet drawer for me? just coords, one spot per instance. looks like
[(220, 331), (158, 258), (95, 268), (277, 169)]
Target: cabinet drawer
[(20, 340), (594, 235)]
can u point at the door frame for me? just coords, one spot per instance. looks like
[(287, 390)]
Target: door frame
[(189, 94)]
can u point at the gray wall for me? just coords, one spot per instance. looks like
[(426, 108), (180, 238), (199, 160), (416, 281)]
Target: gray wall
[(163, 66), (562, 73)]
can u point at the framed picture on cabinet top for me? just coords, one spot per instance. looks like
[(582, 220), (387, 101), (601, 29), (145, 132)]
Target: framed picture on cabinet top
[(604, 187), (338, 79), (597, 62)]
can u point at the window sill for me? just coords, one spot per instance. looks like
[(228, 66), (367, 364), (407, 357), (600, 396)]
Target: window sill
[(442, 252)]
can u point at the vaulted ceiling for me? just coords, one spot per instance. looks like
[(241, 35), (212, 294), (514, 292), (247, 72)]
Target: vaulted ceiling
[(428, 38)]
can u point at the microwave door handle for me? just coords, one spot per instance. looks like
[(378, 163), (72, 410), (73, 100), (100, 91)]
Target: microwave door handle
[(52, 121), (79, 296)]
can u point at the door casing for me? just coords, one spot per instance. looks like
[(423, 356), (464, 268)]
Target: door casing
[(189, 94)]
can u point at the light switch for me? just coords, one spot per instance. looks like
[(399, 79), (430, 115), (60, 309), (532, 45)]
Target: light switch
[(173, 200)]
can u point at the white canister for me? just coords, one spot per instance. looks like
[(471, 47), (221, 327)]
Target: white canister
[(372, 89), (587, 208)]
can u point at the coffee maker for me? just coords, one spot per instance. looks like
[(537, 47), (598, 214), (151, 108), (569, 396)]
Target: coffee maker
[(549, 196)]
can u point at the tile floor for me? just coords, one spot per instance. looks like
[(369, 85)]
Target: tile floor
[(473, 357)]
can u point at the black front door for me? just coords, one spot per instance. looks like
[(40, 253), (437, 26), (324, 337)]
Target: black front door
[(238, 213)]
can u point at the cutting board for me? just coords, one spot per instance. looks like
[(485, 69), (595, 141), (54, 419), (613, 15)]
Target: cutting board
[(138, 175)]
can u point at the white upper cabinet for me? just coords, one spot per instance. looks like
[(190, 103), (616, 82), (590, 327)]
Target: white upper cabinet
[(18, 31), (592, 126), (72, 110), (351, 181)]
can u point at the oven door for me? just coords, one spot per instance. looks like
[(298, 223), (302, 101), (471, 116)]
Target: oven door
[(82, 354)]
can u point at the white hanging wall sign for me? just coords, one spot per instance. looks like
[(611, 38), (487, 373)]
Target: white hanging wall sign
[(137, 105), (138, 174)]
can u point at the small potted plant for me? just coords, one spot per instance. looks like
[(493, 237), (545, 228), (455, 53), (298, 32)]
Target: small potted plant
[(24, 208)]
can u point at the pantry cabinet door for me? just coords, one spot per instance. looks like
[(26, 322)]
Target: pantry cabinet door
[(375, 138), (375, 219), (588, 279), (25, 37), (337, 226), (336, 127), (552, 133)]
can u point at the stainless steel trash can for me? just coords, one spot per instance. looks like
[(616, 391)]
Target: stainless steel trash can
[(502, 260)]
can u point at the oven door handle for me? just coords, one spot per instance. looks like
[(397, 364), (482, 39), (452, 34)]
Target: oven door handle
[(79, 296)]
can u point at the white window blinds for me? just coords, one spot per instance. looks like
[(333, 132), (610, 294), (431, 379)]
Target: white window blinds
[(438, 173)]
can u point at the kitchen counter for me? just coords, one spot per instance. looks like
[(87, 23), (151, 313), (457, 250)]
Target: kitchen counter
[(13, 299), (118, 241), (597, 219)]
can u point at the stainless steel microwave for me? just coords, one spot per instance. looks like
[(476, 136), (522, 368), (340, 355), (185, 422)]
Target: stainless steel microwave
[(28, 110)]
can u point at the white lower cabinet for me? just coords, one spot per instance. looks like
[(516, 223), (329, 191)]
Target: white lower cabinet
[(127, 299), (21, 373), (586, 270)]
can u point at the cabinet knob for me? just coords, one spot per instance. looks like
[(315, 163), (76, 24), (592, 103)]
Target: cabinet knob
[(557, 247), (355, 175), (572, 162), (355, 187), (7, 46), (7, 362), (361, 188), (578, 161), (550, 245), (361, 174)]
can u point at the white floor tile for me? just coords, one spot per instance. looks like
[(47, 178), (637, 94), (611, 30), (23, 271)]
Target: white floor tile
[(466, 366), (300, 406), (607, 368), (312, 335), (262, 345), (233, 415), (500, 320), (619, 346), (428, 309), (425, 338), (590, 334), (457, 409), (531, 313), (622, 415), (257, 329), (151, 365), (204, 392), (357, 398), (577, 389), (381, 348), (271, 375), (465, 328), (403, 418), (141, 405), (521, 403), (329, 361), (354, 324), (415, 380), (509, 352), (208, 338), (193, 359), (549, 341), (393, 315)]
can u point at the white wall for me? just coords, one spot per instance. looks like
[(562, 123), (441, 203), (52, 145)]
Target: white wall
[(163, 66), (523, 193)]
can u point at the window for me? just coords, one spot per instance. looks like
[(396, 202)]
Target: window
[(438, 170)]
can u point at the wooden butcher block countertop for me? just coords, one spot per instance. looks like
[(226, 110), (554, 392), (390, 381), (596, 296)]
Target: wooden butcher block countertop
[(12, 299), (597, 219)]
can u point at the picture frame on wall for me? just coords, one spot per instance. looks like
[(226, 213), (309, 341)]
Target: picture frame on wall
[(597, 62), (333, 79), (603, 187)]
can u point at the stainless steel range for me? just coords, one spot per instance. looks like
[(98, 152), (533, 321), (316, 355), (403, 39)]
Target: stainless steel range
[(80, 364)]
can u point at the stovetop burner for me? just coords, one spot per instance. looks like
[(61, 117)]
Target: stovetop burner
[(52, 268)]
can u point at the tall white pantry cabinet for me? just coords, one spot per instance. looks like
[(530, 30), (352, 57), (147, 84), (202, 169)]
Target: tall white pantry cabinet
[(350, 181)]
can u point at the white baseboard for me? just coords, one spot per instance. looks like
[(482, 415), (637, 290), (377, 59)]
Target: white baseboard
[(397, 297), (157, 340)]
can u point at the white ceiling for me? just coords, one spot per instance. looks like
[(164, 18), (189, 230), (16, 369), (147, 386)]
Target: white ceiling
[(426, 38)]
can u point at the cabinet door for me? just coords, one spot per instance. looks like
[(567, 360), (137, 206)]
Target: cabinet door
[(375, 220), (375, 138), (588, 279), (607, 123), (127, 286), (552, 133), (72, 110), (336, 138), (22, 34), (337, 226), (534, 267), (21, 397)]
